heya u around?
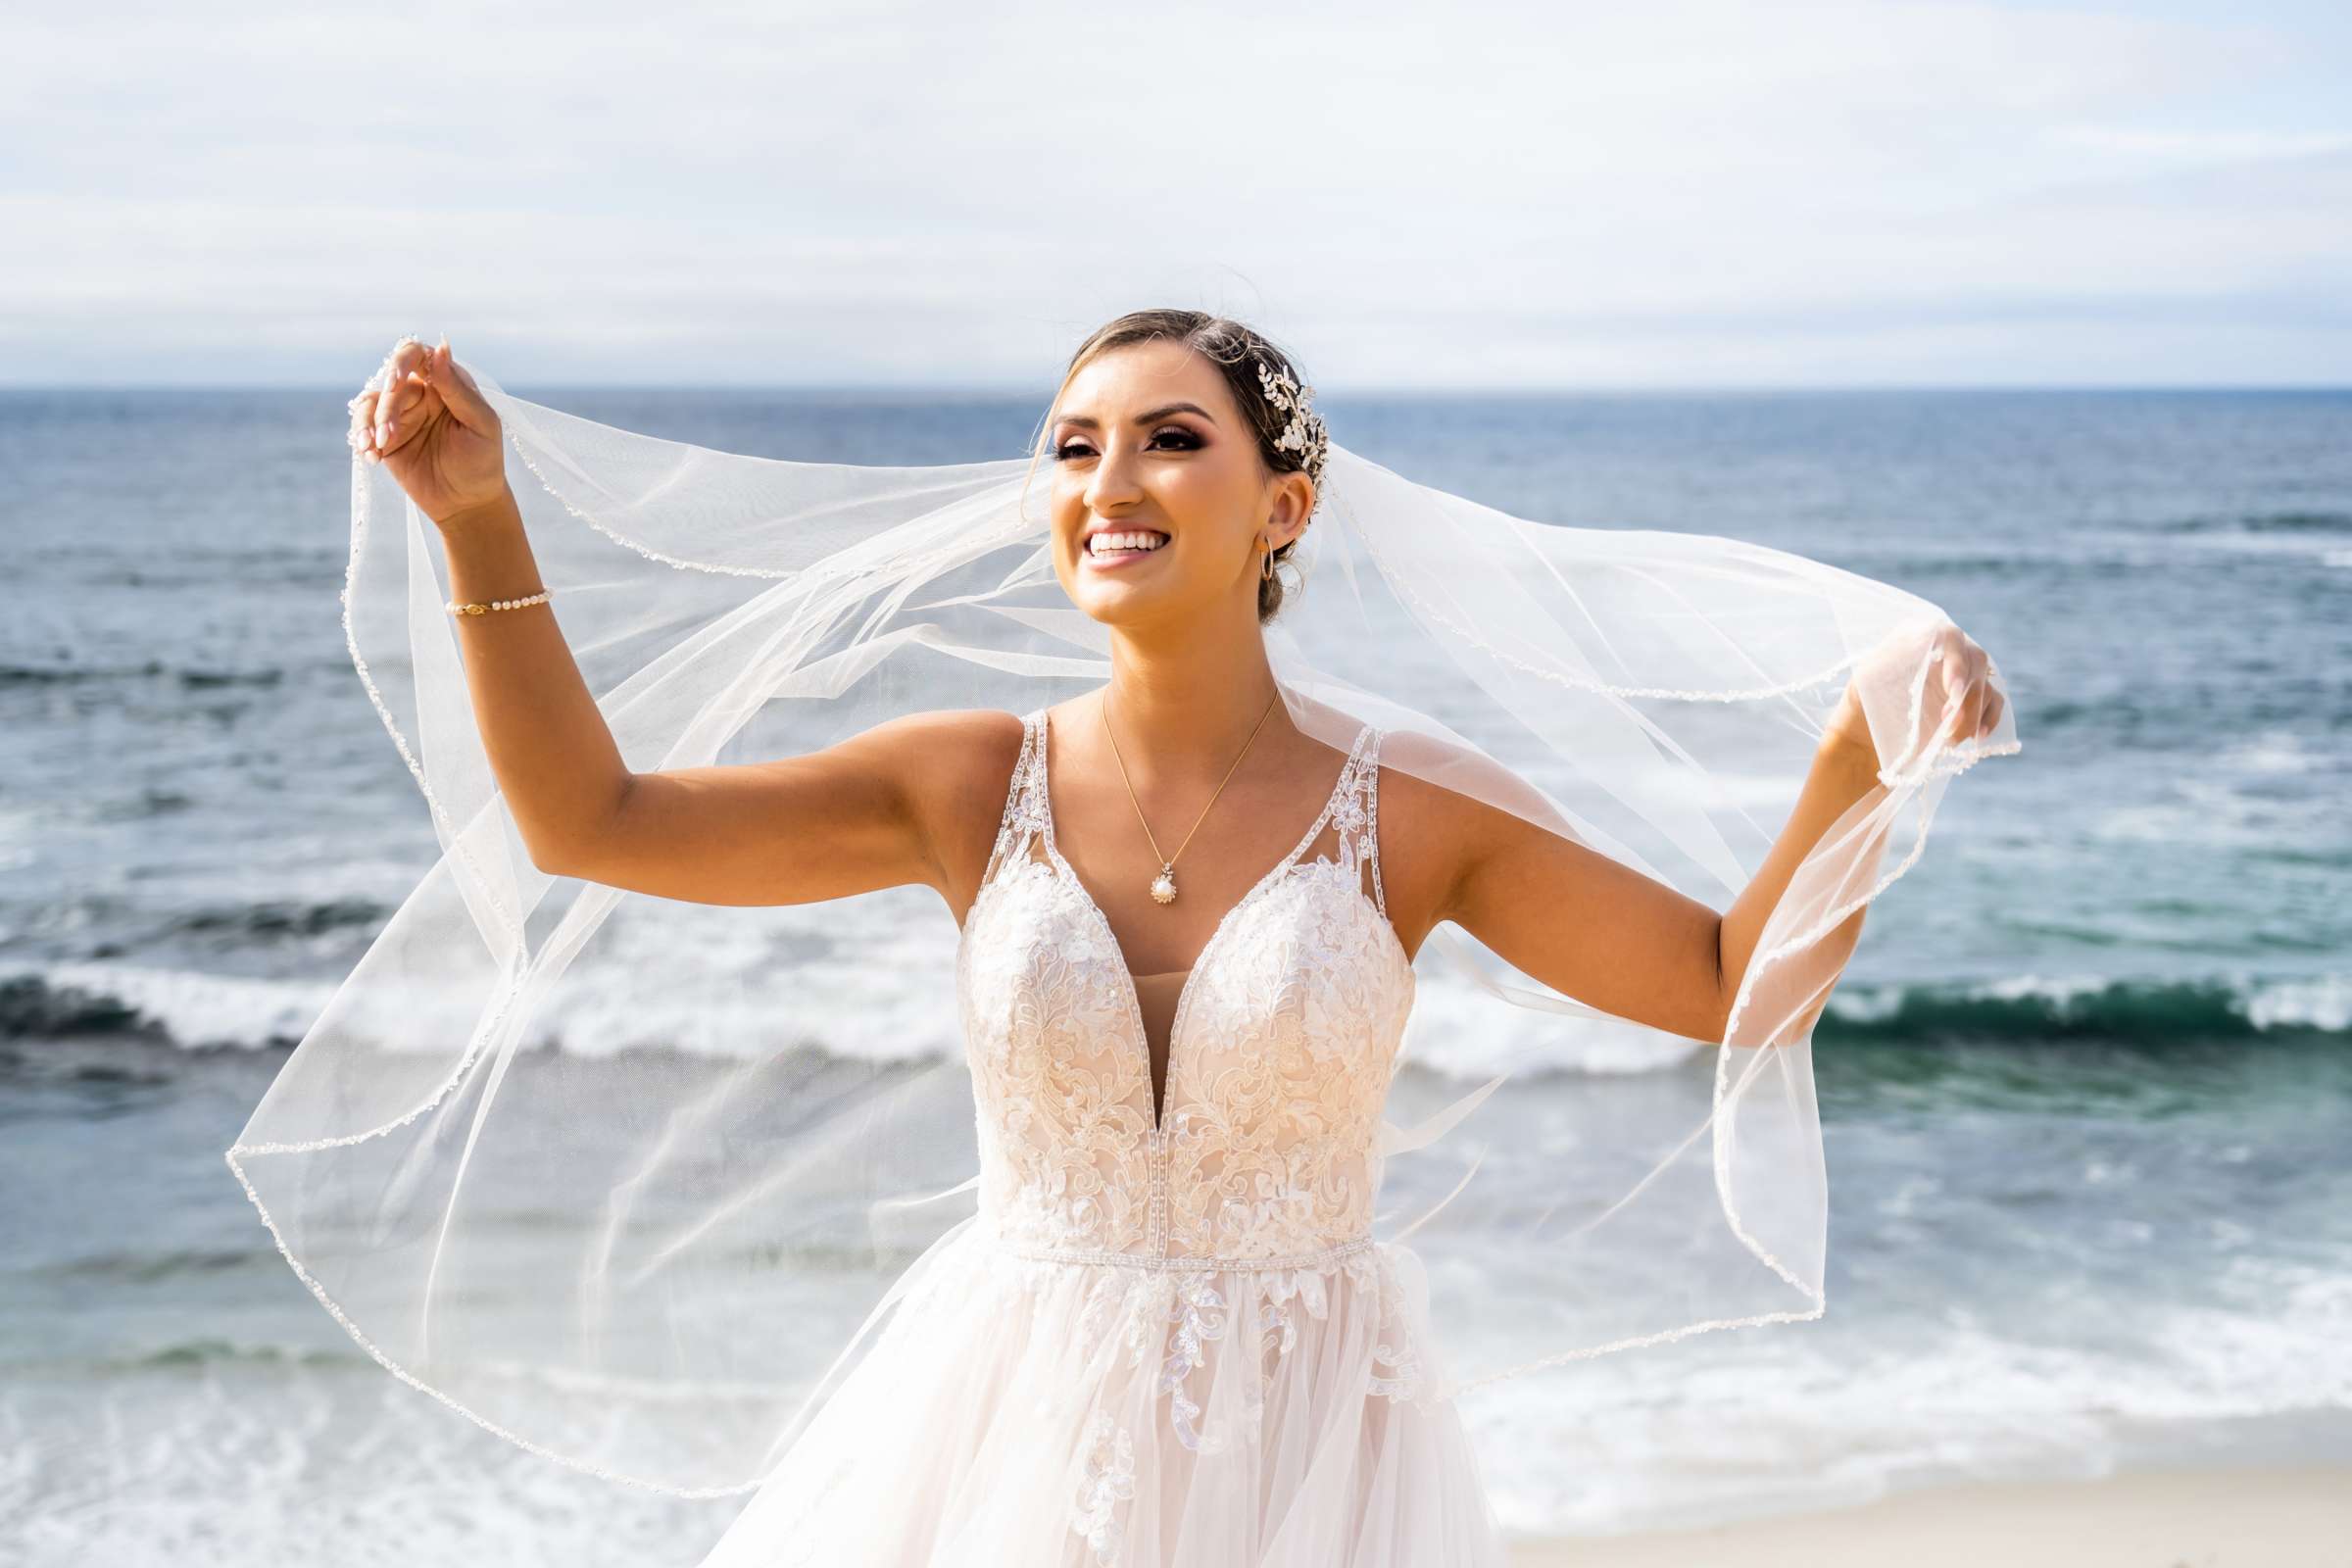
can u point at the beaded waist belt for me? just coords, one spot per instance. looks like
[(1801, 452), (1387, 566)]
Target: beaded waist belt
[(1183, 1261)]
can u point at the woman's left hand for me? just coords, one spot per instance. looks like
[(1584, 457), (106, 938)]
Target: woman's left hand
[(1959, 687)]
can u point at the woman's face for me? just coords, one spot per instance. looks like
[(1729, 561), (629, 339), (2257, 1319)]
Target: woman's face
[(1146, 440)]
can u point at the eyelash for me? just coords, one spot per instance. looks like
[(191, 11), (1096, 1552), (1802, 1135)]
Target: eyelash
[(1191, 443)]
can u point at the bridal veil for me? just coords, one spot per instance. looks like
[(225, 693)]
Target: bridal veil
[(642, 1220)]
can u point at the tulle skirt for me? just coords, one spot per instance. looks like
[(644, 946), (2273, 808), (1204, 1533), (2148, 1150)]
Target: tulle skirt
[(1030, 1410)]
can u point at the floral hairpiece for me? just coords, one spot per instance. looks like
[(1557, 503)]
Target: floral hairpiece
[(1304, 434)]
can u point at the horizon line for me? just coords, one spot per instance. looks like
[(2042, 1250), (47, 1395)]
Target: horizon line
[(1365, 390)]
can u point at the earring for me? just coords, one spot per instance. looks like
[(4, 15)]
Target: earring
[(1266, 571)]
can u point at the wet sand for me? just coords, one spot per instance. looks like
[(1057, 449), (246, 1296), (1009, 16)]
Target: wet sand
[(2219, 1518)]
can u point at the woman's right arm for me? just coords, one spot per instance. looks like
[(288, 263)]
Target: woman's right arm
[(905, 801)]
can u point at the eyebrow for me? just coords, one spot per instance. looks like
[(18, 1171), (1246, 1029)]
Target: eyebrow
[(1083, 421)]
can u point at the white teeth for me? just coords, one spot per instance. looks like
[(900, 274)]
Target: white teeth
[(1105, 542)]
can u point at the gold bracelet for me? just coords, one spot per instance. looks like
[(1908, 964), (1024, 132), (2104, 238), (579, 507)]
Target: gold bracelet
[(480, 607)]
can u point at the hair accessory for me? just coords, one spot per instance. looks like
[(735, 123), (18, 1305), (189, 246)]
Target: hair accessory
[(1304, 434)]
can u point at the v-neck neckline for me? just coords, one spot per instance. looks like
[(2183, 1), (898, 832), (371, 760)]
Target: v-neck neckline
[(1192, 974)]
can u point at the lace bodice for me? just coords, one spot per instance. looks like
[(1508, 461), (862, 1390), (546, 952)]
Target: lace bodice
[(1278, 1061)]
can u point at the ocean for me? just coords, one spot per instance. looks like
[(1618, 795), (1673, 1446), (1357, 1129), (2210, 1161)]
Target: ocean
[(2086, 1090)]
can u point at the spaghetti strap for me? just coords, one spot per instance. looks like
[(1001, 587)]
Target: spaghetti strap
[(1380, 896), (1335, 805), (1008, 824)]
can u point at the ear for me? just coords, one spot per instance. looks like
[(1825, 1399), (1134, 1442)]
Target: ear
[(1293, 501)]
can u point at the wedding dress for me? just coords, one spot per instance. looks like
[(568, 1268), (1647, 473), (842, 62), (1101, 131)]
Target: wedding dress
[(1168, 1336)]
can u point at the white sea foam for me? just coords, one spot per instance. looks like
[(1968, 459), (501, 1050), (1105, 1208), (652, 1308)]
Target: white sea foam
[(1714, 1431), (200, 1010), (2322, 1003), (716, 991)]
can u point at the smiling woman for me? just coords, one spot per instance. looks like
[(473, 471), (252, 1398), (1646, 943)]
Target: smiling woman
[(991, 1244), (1217, 478)]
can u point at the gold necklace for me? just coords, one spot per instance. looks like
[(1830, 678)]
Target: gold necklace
[(1163, 886)]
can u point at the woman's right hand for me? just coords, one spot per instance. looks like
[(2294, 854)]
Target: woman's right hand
[(423, 417)]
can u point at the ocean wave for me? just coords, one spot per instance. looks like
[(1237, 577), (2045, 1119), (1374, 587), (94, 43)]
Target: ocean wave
[(171, 1006), (191, 1010), (2293, 521), (213, 1352), (192, 678), (281, 917), (65, 674), (2146, 1011), (149, 1267), (2298, 522)]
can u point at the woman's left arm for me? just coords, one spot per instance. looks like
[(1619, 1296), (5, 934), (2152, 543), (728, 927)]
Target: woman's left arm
[(1597, 930)]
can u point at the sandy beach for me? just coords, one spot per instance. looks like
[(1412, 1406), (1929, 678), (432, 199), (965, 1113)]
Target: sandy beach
[(2222, 1518)]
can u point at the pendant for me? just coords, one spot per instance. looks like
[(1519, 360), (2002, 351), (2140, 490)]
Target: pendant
[(1163, 886)]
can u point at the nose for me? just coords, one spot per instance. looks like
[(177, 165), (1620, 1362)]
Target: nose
[(1112, 483)]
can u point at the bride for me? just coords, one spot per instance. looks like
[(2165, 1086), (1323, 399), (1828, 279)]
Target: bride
[(1192, 894)]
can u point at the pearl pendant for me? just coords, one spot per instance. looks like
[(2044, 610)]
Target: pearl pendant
[(1163, 886)]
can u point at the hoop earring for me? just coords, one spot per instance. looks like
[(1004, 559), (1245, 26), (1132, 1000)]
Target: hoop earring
[(1266, 566)]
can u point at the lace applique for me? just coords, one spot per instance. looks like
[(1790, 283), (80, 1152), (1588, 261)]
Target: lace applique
[(1199, 1315), (1279, 1057), (1106, 1479), (1282, 1292), (1279, 1061), (1152, 1305), (1166, 1319), (1282, 1289), (1106, 1306), (1400, 1355)]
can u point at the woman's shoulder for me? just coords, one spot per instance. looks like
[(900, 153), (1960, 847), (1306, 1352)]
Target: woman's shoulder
[(1442, 803), (956, 766), (948, 744), (949, 767)]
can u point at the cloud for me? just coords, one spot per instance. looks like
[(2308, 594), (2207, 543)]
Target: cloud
[(2204, 146), (1496, 194)]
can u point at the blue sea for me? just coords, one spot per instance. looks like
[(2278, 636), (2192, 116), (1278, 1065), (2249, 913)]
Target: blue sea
[(2086, 1090)]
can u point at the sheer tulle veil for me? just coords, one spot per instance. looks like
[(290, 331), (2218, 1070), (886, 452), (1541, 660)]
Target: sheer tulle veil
[(631, 1182)]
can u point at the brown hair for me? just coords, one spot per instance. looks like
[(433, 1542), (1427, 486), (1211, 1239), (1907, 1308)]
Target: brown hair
[(1236, 351)]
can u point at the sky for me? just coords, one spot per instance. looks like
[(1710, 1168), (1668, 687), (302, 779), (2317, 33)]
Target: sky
[(1675, 194)]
